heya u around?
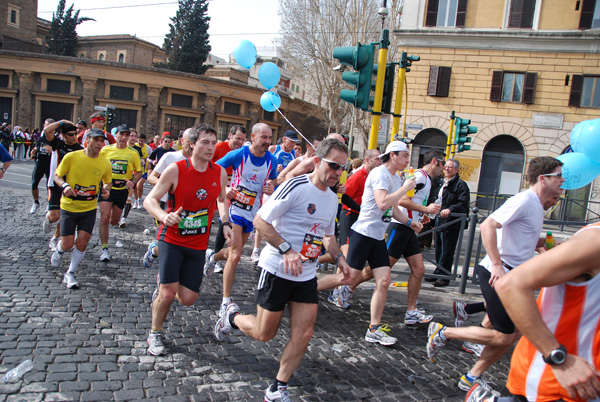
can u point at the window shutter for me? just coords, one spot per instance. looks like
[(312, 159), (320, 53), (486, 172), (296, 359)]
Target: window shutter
[(529, 90), (496, 92), (461, 13), (587, 14), (444, 81), (521, 14), (514, 21), (576, 87), (433, 80), (432, 10)]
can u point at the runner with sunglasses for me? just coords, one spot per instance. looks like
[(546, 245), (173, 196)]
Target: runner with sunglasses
[(59, 149)]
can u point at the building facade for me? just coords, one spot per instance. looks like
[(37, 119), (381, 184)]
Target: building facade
[(525, 72)]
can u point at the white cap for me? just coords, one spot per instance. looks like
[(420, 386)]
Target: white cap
[(395, 146)]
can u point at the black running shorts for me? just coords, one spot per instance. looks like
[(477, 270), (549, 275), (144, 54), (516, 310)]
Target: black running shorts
[(117, 197), (401, 241), (347, 219), (180, 264), (363, 248), (498, 316), (273, 292), (71, 221)]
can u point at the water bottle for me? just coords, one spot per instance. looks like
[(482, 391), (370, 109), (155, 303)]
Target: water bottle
[(550, 242), (411, 173), (18, 372), (438, 201), (400, 284)]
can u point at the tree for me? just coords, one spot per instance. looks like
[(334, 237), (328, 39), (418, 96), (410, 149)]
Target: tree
[(186, 43), (311, 29), (62, 37)]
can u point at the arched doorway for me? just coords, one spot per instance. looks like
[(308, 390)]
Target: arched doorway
[(424, 141), (501, 172)]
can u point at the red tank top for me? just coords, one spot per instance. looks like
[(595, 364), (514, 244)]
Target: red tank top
[(197, 193)]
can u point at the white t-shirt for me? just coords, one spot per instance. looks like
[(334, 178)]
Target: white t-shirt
[(164, 162), (522, 219), (372, 221), (421, 196), (302, 214)]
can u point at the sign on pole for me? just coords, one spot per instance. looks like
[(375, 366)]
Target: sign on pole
[(383, 131)]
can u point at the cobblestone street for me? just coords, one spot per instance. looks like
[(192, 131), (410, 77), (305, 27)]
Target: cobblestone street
[(90, 344)]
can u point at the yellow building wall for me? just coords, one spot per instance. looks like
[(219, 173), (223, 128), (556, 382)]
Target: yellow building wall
[(559, 15), (485, 14)]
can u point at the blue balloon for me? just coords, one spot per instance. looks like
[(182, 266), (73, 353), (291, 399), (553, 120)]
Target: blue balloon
[(578, 170), (269, 75), (587, 139), (245, 54), (270, 101), (574, 138)]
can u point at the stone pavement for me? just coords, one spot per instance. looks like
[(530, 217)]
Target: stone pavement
[(90, 344)]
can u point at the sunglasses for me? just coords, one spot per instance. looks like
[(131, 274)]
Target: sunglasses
[(70, 134), (559, 175), (334, 165)]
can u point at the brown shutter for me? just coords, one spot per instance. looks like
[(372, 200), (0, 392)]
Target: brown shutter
[(433, 80), (527, 14), (521, 14), (496, 92), (587, 14), (432, 10), (444, 81), (461, 13), (529, 91), (576, 87)]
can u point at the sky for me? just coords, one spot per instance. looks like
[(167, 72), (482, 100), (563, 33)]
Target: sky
[(231, 20)]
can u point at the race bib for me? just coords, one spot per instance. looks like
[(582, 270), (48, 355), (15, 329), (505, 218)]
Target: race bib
[(244, 198), (193, 223), (311, 248), (387, 215), (119, 183), (118, 166), (84, 193)]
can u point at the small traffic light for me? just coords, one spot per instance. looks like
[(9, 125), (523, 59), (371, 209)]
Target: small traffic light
[(406, 61), (462, 131), (109, 118), (361, 59), (388, 87)]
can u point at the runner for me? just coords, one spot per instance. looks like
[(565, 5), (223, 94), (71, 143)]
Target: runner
[(383, 190), (80, 175), (41, 152), (253, 172), (144, 151), (125, 161), (194, 185), (59, 149), (296, 221)]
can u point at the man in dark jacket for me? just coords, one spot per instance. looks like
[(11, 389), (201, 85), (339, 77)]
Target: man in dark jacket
[(455, 199)]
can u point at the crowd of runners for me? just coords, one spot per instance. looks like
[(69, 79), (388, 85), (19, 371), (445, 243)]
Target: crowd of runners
[(289, 202)]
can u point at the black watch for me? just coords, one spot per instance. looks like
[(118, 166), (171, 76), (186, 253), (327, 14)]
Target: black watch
[(284, 247), (228, 224), (557, 356)]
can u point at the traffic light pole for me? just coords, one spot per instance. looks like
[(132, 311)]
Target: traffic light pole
[(450, 136), (399, 95), (376, 114)]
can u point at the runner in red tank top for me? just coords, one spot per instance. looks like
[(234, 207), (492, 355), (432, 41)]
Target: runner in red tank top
[(194, 186)]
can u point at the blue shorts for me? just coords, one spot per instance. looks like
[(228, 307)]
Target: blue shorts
[(245, 224), (145, 175)]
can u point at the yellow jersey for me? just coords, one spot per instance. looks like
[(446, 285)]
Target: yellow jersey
[(124, 162), (85, 175)]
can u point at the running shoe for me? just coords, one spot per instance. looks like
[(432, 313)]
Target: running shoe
[(346, 295), (70, 281), (34, 208), (53, 242), (56, 258), (223, 327), (281, 395), (46, 225), (223, 309), (417, 317), (148, 258), (254, 257), (460, 315), (465, 384), (334, 297), (478, 393), (475, 348), (119, 244), (218, 268), (123, 223), (104, 255), (155, 343), (209, 262), (434, 340), (380, 336)]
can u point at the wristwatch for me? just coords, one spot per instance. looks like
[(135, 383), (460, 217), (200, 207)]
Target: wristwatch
[(557, 356), (284, 247), (228, 224)]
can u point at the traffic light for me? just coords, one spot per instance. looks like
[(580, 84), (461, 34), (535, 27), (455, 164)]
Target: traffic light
[(388, 87), (361, 59), (406, 61), (462, 131), (109, 118)]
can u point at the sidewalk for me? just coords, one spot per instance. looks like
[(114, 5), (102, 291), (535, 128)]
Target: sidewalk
[(90, 344)]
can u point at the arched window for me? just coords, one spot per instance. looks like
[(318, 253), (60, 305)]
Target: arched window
[(101, 56), (121, 58)]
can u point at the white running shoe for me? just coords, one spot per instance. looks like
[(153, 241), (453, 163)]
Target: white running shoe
[(55, 259), (148, 258), (475, 348), (34, 208), (155, 343), (223, 327), (123, 223), (434, 340), (281, 395), (380, 336), (417, 317), (119, 243), (70, 280), (53, 242), (460, 315), (254, 257), (46, 225), (104, 255), (209, 262), (218, 268)]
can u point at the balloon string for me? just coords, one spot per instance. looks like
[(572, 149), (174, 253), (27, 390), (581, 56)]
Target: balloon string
[(290, 123)]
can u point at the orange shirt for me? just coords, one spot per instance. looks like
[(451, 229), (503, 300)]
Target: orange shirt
[(222, 149)]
